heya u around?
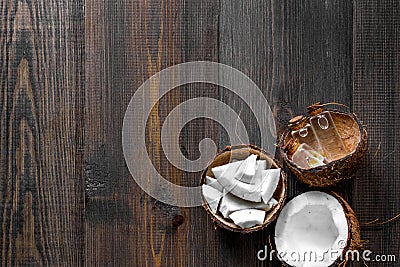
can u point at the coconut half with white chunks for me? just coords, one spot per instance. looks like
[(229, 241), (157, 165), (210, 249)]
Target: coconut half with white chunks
[(316, 229), (243, 189)]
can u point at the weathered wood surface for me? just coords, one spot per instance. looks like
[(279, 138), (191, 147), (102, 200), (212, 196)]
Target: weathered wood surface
[(41, 133), (376, 99), (70, 68)]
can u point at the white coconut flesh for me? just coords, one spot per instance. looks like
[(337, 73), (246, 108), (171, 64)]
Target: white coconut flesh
[(244, 186), (214, 183), (212, 196), (248, 218), (231, 203), (247, 170), (270, 183), (311, 230)]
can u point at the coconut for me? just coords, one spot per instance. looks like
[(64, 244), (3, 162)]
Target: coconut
[(233, 154), (316, 229), (343, 166)]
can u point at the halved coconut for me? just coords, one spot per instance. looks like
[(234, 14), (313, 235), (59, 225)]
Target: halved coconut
[(354, 137), (234, 154), (316, 229)]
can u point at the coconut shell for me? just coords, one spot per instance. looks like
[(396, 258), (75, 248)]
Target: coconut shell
[(354, 138), (241, 152), (354, 240)]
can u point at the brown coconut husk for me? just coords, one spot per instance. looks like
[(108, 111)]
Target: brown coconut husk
[(240, 152), (353, 241), (354, 137)]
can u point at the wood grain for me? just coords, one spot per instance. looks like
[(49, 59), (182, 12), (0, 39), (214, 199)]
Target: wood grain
[(376, 97), (41, 133), (298, 53), (126, 43)]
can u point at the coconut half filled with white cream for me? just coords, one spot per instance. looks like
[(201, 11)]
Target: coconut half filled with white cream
[(243, 189), (315, 229)]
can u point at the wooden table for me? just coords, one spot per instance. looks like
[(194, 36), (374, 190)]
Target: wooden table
[(69, 69)]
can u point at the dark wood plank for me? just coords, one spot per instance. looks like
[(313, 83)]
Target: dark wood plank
[(113, 227), (298, 52), (41, 106), (376, 97), (201, 44), (126, 43)]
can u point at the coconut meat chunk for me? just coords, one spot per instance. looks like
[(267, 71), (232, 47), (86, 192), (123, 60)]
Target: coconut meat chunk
[(272, 202), (226, 170), (231, 203), (240, 189), (259, 174), (312, 224), (214, 183), (248, 218), (212, 196), (246, 171), (269, 183), (249, 191)]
